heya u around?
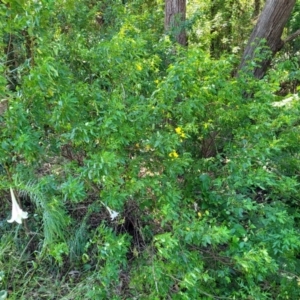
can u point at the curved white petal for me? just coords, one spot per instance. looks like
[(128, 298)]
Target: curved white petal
[(17, 213), (113, 214)]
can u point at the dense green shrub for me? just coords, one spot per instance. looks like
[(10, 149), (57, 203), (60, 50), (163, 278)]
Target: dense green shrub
[(148, 170)]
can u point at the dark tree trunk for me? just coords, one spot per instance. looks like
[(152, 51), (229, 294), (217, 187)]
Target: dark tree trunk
[(256, 8), (175, 14), (269, 27)]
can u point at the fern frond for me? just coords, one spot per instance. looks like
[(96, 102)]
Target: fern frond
[(78, 241), (54, 216)]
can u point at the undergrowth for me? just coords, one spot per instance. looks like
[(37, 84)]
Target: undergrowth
[(148, 170)]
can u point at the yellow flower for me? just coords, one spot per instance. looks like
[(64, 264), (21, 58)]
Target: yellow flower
[(180, 132), (17, 213), (139, 67), (50, 92), (173, 154)]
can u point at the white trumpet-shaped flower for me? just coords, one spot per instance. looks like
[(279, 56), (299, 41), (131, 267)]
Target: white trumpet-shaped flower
[(17, 213), (113, 214)]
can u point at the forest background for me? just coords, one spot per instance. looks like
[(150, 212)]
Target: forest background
[(156, 158)]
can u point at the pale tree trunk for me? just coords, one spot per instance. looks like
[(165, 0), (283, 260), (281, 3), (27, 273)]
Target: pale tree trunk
[(269, 27), (175, 14)]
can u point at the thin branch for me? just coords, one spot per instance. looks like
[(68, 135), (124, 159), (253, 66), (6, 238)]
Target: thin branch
[(292, 36)]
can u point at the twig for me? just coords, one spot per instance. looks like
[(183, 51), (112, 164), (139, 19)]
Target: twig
[(292, 36)]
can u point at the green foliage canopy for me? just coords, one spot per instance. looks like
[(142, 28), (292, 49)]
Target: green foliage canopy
[(104, 108)]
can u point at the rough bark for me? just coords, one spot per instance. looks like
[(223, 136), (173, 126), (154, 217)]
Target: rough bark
[(175, 16), (269, 27)]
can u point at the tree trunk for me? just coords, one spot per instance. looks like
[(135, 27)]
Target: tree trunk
[(256, 8), (175, 14), (269, 27)]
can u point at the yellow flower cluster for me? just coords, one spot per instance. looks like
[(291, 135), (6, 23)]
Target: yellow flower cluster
[(173, 154), (200, 214), (180, 132), (139, 67)]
